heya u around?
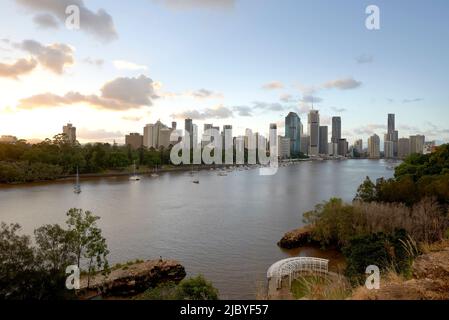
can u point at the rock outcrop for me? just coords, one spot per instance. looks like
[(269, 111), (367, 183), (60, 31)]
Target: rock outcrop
[(296, 238), (133, 279)]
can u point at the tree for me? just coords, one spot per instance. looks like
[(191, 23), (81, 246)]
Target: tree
[(197, 288), (366, 191), (87, 240)]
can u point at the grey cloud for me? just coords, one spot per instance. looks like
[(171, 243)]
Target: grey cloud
[(18, 68), (364, 58), (54, 57), (268, 106), (100, 23), (46, 21), (311, 99), (204, 93), (338, 110), (412, 100), (243, 111), (117, 95), (193, 4), (342, 84), (219, 112)]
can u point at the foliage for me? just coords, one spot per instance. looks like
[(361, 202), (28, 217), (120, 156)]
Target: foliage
[(50, 159), (315, 287), (385, 251), (38, 272), (196, 288), (87, 240), (334, 222)]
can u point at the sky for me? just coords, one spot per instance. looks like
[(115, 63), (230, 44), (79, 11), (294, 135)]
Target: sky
[(241, 62)]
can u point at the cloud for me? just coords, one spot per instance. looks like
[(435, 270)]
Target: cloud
[(99, 24), (55, 57), (204, 93), (364, 58), (268, 106), (243, 111), (311, 99), (342, 84), (94, 62), (100, 134), (126, 65), (338, 110), (287, 98), (369, 129), (18, 68), (412, 100), (46, 21), (218, 112), (273, 85), (116, 95), (194, 4)]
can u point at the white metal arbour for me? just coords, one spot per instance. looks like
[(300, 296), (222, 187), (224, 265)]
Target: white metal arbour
[(292, 267)]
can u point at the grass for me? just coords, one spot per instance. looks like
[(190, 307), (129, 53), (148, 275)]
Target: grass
[(315, 287)]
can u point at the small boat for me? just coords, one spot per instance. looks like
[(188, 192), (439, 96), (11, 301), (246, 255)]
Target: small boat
[(154, 174), (134, 177), (196, 181), (77, 187)]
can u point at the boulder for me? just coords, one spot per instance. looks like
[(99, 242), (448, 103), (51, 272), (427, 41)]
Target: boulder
[(297, 238)]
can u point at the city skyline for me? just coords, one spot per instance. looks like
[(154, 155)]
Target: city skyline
[(200, 69)]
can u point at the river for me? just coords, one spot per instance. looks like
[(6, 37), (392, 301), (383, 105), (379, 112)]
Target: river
[(225, 227)]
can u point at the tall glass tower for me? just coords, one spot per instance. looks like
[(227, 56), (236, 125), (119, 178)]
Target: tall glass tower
[(293, 131)]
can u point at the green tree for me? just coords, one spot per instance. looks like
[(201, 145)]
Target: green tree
[(366, 191), (197, 288)]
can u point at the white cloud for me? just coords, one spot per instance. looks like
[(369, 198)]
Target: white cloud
[(18, 68), (273, 85), (218, 112), (127, 65), (342, 84)]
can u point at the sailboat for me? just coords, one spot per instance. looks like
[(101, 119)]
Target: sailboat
[(77, 187), (154, 174), (134, 177)]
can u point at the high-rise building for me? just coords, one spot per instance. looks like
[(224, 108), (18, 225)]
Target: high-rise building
[(283, 147), (388, 149), (403, 148), (70, 131), (393, 136), (343, 147), (336, 129), (314, 132), (156, 135), (134, 140), (293, 129), (228, 142), (323, 148), (374, 147), (188, 128), (359, 146), (305, 141), (417, 144)]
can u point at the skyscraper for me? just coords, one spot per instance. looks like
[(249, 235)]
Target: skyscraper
[(70, 131), (323, 149), (336, 129), (391, 136), (388, 149), (343, 147), (359, 146), (374, 147), (188, 127), (314, 132), (293, 131), (156, 135)]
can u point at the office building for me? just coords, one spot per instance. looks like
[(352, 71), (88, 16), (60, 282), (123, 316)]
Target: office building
[(134, 140), (374, 147), (358, 146), (293, 129), (188, 129), (343, 147), (305, 141), (70, 131), (284, 145), (324, 140), (403, 148), (388, 149), (314, 132), (391, 136), (336, 129), (156, 135), (417, 144)]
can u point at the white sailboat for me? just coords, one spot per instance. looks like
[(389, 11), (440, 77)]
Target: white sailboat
[(77, 187), (134, 177)]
